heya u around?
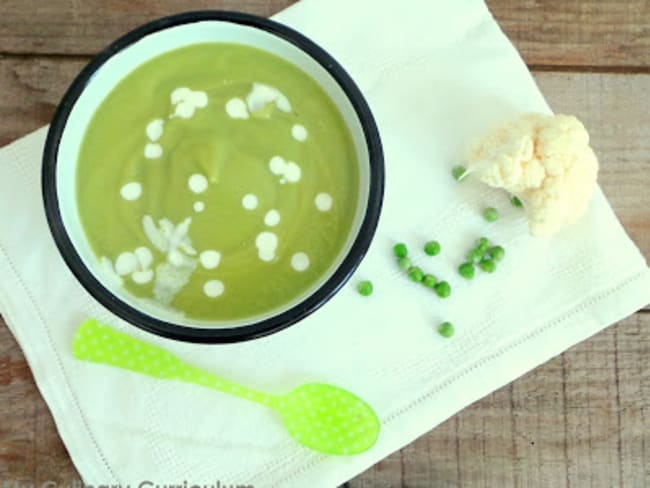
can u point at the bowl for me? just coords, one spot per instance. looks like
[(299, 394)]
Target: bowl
[(120, 58)]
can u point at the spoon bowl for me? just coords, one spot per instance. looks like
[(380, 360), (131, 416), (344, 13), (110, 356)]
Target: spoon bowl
[(328, 419)]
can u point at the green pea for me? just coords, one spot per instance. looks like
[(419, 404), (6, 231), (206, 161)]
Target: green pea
[(459, 172), (400, 250), (432, 248), (416, 274), (474, 256), (514, 199), (491, 214), (446, 329), (443, 289), (482, 245), (466, 270), (404, 263), (365, 288), (429, 281), (488, 265), (497, 253)]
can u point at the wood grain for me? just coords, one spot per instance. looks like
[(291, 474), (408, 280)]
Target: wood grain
[(31, 90), (578, 34), (87, 26), (581, 34), (31, 450), (580, 420)]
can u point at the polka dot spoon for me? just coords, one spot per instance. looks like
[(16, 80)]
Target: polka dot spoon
[(322, 417)]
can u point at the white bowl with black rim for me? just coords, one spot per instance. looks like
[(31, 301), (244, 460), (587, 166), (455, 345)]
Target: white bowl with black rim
[(119, 59)]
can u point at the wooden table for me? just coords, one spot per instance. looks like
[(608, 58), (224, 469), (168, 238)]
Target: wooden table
[(582, 419)]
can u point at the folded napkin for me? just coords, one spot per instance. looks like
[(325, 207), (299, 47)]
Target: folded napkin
[(435, 74)]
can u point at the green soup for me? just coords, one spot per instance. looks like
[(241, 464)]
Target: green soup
[(219, 181)]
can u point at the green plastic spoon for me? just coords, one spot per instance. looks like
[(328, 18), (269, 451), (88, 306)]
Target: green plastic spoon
[(322, 417)]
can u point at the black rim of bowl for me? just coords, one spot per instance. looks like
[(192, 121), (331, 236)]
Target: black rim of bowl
[(217, 334)]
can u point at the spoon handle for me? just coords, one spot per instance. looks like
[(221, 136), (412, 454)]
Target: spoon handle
[(98, 343)]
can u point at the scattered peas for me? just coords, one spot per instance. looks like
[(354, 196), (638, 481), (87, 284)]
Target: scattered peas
[(514, 199), (429, 281), (488, 265), (432, 248), (404, 263), (497, 253), (442, 288), (446, 329), (466, 270), (365, 288), (491, 214), (400, 250), (474, 256), (482, 245), (416, 274), (458, 172)]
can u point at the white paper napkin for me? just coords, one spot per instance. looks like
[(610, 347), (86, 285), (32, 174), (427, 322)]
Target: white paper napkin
[(435, 75)]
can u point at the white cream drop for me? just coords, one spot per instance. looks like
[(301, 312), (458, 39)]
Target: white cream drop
[(131, 191), (276, 165), (126, 263), (283, 103), (293, 172), (197, 183), (184, 110), (155, 129), (213, 288), (142, 277), (261, 94), (153, 150), (323, 202), (210, 259), (236, 109), (287, 170), (249, 202), (199, 99), (199, 206), (272, 218), (266, 243), (180, 94), (187, 101), (144, 257), (300, 261), (107, 266), (299, 132)]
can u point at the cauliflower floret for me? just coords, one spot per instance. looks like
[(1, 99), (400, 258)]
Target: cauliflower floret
[(546, 161)]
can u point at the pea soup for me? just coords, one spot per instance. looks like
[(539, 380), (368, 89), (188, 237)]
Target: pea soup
[(218, 181)]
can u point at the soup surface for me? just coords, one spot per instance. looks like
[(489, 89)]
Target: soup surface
[(218, 181)]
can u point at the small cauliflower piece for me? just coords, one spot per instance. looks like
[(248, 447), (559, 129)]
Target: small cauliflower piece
[(546, 161)]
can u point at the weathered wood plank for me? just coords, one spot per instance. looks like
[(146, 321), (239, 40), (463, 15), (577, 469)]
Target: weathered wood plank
[(614, 108), (31, 90), (87, 26), (578, 33), (578, 420), (31, 450)]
